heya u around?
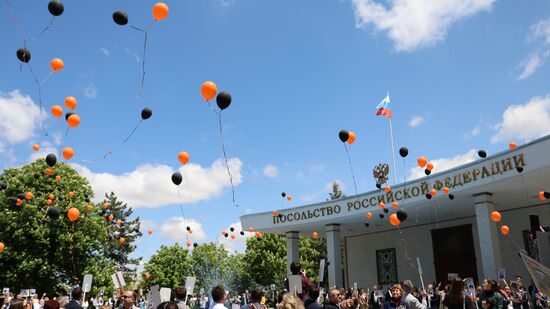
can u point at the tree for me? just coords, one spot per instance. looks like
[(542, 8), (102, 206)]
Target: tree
[(311, 253), (336, 193), (168, 267), (42, 252), (211, 266)]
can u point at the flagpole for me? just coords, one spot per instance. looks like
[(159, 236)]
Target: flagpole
[(392, 145)]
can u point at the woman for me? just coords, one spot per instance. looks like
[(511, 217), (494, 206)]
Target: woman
[(490, 295), (292, 302), (396, 301), (455, 298)]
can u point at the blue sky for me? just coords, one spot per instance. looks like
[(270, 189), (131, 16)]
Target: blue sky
[(462, 75)]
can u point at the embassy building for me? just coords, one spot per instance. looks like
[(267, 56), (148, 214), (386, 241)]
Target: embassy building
[(448, 237)]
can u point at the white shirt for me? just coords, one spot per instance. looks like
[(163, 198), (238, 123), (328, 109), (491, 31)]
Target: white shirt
[(217, 306), (413, 303), (203, 300)]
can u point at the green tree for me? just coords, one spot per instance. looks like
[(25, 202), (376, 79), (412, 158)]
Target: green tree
[(211, 266), (336, 193), (311, 253), (168, 267), (41, 252)]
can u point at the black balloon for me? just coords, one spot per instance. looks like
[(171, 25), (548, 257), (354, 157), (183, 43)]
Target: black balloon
[(195, 245), (381, 216), (21, 196), (87, 200), (51, 160), (54, 213), (367, 224), (427, 172), (232, 229), (519, 169), (188, 228), (386, 210), (283, 194), (401, 215), (343, 135), (242, 233), (36, 175), (223, 99), (546, 195), (60, 197), (176, 178), (379, 185), (67, 115), (146, 113), (3, 186), (429, 196), (120, 18), (56, 8), (225, 234), (482, 154), (24, 55), (280, 216), (451, 196), (403, 151)]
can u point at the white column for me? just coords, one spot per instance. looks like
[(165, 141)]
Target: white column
[(292, 249), (334, 255), (488, 235)]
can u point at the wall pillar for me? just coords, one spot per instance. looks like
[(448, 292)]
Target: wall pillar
[(487, 234), (292, 249), (334, 255)]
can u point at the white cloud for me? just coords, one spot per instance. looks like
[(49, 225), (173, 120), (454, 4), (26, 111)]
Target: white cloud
[(474, 133), (322, 194), (416, 121), (271, 171), (444, 164), (239, 243), (412, 24), (19, 117), (151, 186), (130, 52), (530, 66), (540, 32), (175, 229), (2, 148), (525, 122), (317, 168), (90, 91), (105, 51)]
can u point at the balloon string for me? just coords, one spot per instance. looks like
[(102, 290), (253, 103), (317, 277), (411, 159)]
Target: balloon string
[(145, 33), (41, 32), (225, 158), (13, 16), (351, 168), (404, 180), (405, 248), (39, 85), (186, 183), (181, 205), (131, 133)]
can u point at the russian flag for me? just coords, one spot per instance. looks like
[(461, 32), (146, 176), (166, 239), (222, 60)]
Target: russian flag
[(384, 107)]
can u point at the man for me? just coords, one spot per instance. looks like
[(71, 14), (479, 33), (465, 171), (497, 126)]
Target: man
[(311, 302), (181, 292), (203, 299), (76, 297), (218, 297), (412, 302), (333, 299), (129, 300), (254, 300), (296, 270)]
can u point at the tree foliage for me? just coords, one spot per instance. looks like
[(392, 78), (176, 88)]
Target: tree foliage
[(168, 267), (336, 193)]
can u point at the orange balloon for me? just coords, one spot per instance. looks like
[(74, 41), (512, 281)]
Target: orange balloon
[(71, 194), (422, 161), (394, 220), (513, 145), (57, 64), (35, 147), (505, 229), (73, 214), (445, 190), (250, 229), (70, 102), (258, 235), (369, 215), (190, 231), (541, 196), (147, 276), (430, 166), (433, 192), (315, 235), (160, 11), (48, 171), (57, 111), (117, 222), (495, 216), (111, 217), (1, 247), (388, 189), (395, 205), (121, 240), (49, 202), (208, 90), (51, 196), (381, 205), (73, 121), (223, 232), (288, 197), (275, 212), (68, 153), (188, 244), (232, 236), (89, 207), (105, 205), (150, 232), (28, 195), (351, 138), (19, 202), (183, 157), (57, 178)]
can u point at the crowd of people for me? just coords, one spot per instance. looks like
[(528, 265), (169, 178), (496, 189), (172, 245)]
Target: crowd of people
[(403, 295)]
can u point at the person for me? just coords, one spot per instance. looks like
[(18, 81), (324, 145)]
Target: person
[(411, 300), (296, 270), (254, 300), (181, 293), (203, 299), (490, 297), (218, 297), (376, 299), (76, 296), (128, 300), (520, 299), (51, 304), (311, 302), (292, 302), (171, 305), (396, 301), (433, 296), (333, 299), (16, 304), (455, 298)]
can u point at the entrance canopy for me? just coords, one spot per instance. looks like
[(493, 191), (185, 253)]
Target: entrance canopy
[(514, 177)]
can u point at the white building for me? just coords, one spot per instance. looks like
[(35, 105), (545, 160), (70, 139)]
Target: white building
[(447, 236)]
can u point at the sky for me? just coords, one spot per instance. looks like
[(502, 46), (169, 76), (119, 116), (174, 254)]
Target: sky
[(462, 75)]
